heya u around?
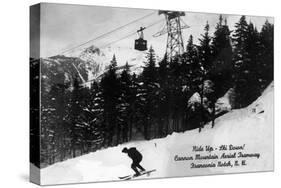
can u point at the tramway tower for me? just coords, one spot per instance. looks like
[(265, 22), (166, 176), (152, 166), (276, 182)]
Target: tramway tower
[(173, 27)]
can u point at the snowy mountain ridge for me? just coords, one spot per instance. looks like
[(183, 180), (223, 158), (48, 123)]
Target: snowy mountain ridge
[(90, 63)]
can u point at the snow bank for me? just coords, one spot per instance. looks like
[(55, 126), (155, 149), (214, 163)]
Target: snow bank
[(223, 104), (251, 127)]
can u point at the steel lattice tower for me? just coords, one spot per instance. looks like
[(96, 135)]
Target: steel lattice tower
[(173, 27)]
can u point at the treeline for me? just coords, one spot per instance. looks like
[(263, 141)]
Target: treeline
[(123, 106)]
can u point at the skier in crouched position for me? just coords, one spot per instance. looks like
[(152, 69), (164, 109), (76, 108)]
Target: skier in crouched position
[(136, 156)]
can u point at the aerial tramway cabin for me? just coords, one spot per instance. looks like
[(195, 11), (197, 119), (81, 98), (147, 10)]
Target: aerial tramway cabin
[(140, 43)]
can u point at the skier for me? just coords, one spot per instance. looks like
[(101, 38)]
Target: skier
[(136, 156)]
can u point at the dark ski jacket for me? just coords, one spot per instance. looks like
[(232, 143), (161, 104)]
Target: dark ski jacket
[(134, 154)]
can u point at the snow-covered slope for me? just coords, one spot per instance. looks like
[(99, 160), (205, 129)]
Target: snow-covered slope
[(251, 127)]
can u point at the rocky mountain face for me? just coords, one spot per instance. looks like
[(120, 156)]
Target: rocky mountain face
[(88, 65)]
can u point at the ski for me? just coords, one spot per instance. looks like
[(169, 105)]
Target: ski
[(123, 177), (129, 177)]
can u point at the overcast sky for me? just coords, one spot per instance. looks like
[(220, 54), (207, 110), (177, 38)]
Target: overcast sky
[(65, 26)]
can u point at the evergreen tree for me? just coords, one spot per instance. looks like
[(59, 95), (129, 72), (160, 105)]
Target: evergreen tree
[(222, 71), (48, 125), (148, 92), (191, 66), (110, 92), (206, 65), (113, 63), (240, 59), (266, 60), (248, 55), (251, 68), (74, 117), (90, 130), (95, 113), (164, 98), (205, 51), (125, 103), (239, 38), (191, 79), (97, 109)]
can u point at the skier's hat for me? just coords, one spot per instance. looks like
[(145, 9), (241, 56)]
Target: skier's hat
[(124, 150)]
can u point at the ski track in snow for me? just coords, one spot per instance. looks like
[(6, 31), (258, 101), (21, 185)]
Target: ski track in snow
[(252, 126)]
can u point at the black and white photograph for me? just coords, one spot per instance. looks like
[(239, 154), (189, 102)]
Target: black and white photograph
[(120, 94)]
